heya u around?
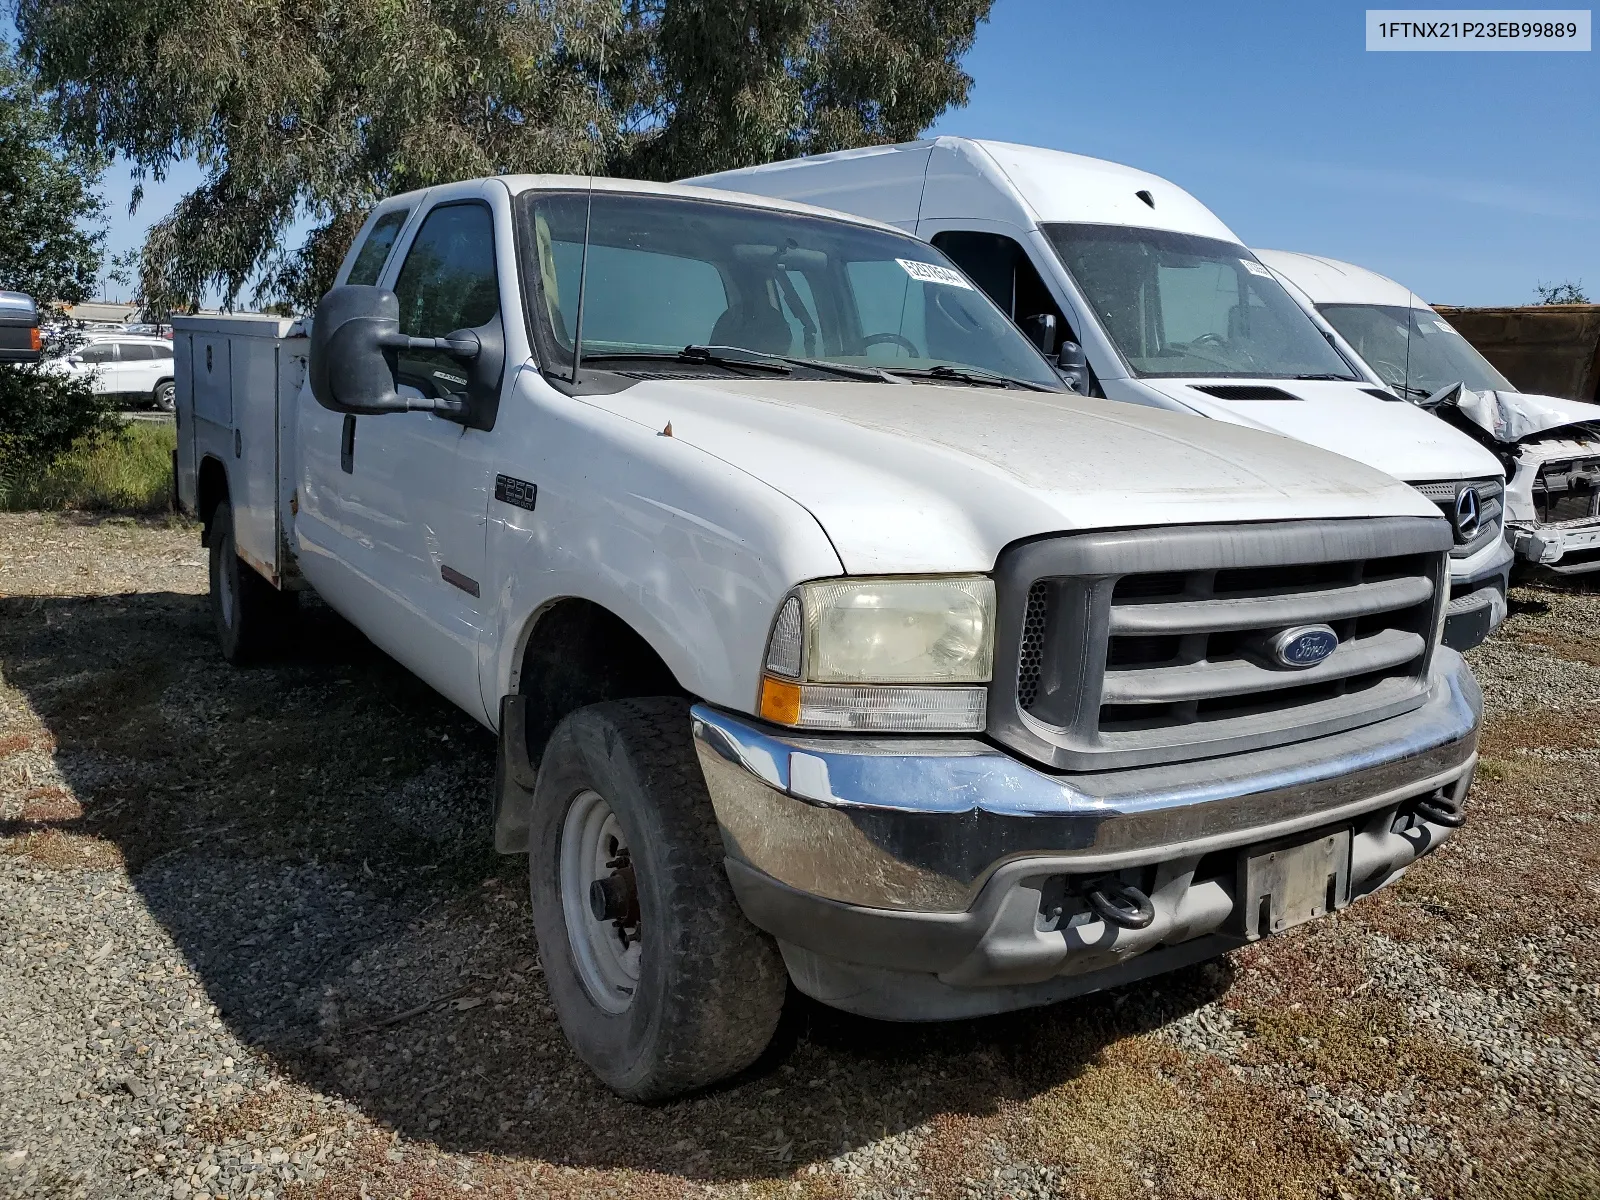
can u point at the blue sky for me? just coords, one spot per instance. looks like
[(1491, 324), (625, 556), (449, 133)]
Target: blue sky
[(1468, 177)]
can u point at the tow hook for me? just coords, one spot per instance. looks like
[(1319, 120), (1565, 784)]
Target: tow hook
[(1120, 903), (615, 898), (1441, 812)]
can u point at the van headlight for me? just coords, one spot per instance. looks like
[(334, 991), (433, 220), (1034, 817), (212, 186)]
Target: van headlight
[(899, 654)]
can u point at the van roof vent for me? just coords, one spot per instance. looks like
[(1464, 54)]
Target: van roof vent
[(1246, 391), (1146, 197)]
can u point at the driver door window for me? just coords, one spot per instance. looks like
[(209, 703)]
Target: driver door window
[(447, 282)]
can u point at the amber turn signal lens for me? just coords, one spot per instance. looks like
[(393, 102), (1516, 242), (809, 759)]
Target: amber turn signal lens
[(780, 701), (35, 342)]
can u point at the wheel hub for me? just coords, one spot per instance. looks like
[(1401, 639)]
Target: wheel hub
[(600, 901)]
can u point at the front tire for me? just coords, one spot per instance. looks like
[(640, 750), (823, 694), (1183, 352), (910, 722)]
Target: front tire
[(250, 614), (671, 989)]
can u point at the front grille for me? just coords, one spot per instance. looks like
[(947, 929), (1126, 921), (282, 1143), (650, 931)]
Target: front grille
[(1491, 510), (1152, 645), (1569, 491)]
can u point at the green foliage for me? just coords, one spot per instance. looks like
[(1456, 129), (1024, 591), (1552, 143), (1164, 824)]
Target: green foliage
[(50, 246), (43, 416), (1561, 293), (320, 107), (126, 470)]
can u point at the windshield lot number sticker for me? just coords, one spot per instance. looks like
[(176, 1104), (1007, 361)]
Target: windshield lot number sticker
[(933, 273), (1256, 268)]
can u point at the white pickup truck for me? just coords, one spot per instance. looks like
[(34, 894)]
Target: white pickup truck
[(936, 689)]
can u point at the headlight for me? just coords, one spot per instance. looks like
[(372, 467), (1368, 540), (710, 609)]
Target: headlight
[(882, 654)]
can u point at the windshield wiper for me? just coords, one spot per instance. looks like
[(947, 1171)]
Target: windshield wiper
[(870, 374), (696, 356), (976, 376)]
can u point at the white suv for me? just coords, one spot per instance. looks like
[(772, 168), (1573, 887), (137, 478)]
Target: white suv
[(124, 364)]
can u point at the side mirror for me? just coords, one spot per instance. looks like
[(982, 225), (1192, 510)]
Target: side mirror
[(20, 341), (1041, 331), (355, 336), (349, 365), (1073, 367)]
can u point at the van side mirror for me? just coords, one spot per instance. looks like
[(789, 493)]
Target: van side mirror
[(355, 336), (1041, 331), (1073, 367)]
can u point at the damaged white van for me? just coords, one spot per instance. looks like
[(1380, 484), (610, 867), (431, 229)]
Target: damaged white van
[(1145, 296), (1550, 446)]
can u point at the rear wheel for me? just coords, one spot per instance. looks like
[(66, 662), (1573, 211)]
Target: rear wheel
[(250, 614), (165, 397), (661, 984)]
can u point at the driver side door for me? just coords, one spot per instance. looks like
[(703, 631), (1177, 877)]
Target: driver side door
[(423, 527)]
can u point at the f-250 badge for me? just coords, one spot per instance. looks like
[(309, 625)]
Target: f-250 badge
[(515, 491)]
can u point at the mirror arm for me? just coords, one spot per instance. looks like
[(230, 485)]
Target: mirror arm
[(463, 343)]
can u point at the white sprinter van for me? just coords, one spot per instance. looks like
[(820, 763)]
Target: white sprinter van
[(1550, 446), (1171, 310)]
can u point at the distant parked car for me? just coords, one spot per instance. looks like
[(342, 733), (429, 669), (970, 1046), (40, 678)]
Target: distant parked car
[(133, 366)]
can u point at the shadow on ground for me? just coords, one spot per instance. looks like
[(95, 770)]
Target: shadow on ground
[(315, 836)]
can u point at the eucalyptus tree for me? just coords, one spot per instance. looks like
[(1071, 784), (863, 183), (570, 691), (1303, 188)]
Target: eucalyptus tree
[(313, 109)]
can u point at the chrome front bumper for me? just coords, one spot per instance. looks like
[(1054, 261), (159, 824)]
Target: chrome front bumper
[(905, 857)]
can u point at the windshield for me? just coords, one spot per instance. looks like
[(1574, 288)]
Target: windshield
[(1179, 305), (1414, 349), (667, 273)]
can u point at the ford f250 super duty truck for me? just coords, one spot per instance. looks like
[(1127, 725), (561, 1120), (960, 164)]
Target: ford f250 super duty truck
[(826, 636)]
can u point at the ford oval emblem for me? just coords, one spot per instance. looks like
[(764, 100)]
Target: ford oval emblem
[(1304, 646)]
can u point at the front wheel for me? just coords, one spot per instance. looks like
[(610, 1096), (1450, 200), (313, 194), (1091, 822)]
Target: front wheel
[(661, 984), (250, 614), (165, 397)]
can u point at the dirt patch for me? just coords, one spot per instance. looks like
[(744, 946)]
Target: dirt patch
[(278, 882)]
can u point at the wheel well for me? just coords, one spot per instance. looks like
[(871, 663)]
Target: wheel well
[(580, 654), (211, 489)]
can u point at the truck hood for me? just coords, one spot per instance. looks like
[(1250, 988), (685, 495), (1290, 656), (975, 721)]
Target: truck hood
[(918, 478), (1512, 416), (1397, 438)]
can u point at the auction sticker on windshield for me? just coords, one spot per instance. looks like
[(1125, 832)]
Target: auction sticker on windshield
[(1256, 268), (933, 273)]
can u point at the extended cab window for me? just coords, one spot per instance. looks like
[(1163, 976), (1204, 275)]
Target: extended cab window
[(374, 251), (447, 282)]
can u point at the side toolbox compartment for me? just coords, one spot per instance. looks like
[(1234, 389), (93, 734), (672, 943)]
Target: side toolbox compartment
[(236, 378)]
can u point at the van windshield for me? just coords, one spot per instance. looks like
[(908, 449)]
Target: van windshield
[(669, 273), (1413, 349), (1180, 305)]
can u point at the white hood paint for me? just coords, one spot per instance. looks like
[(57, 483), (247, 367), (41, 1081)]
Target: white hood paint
[(1392, 436), (917, 478)]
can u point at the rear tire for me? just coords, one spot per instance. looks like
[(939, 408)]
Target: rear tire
[(251, 615), (165, 397), (696, 995)]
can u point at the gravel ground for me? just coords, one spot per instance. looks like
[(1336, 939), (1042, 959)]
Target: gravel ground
[(254, 942)]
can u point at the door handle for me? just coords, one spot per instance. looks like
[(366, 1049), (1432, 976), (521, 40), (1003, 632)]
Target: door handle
[(347, 445)]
